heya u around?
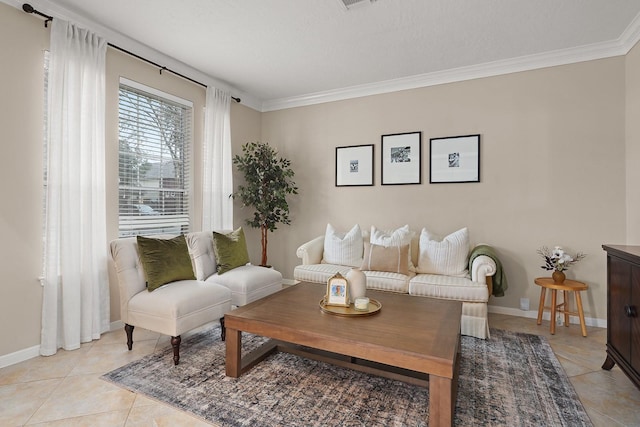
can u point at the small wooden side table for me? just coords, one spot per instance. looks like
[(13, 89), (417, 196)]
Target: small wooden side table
[(566, 286)]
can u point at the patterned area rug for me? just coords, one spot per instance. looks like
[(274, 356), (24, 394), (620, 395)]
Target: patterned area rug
[(513, 379)]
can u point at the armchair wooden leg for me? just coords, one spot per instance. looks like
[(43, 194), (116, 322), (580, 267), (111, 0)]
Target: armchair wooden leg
[(223, 329), (175, 343), (129, 330)]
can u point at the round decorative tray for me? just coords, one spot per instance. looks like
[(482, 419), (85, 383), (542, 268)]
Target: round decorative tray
[(374, 307)]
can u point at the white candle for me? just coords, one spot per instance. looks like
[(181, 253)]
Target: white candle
[(362, 303)]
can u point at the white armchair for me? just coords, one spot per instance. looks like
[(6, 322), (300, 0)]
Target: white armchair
[(172, 309)]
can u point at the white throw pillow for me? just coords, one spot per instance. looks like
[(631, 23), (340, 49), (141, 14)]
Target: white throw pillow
[(399, 237), (448, 257), (343, 248)]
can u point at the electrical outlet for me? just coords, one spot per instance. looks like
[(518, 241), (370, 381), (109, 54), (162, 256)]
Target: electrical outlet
[(524, 304)]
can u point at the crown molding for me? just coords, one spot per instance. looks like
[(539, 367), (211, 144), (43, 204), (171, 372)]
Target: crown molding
[(619, 47), (631, 35), (14, 3), (489, 69)]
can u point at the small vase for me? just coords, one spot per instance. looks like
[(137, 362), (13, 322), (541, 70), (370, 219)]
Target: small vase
[(357, 283), (558, 276)]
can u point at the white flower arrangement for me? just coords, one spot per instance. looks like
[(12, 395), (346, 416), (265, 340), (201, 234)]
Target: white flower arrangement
[(558, 259)]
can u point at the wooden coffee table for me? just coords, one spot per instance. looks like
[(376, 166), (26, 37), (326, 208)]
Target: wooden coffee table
[(413, 339)]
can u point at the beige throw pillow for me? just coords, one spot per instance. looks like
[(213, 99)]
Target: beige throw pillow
[(393, 259), (398, 237), (343, 248), (448, 257)]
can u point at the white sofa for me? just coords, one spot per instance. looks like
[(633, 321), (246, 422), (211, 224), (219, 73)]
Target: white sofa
[(182, 305), (473, 289)]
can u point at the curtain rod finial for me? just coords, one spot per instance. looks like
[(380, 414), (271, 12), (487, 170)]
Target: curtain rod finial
[(29, 9)]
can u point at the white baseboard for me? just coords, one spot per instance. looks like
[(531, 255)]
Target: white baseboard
[(533, 314), (31, 352), (19, 356)]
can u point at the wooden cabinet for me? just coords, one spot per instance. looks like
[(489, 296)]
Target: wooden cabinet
[(623, 306)]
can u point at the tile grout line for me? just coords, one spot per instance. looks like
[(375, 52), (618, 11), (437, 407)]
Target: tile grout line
[(48, 398)]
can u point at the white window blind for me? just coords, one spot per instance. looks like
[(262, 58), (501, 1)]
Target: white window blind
[(154, 161)]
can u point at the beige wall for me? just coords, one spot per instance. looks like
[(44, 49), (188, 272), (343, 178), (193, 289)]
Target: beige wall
[(552, 168), (23, 40), (633, 144)]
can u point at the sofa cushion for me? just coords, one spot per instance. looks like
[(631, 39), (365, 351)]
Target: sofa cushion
[(448, 287), (393, 259), (343, 248), (164, 260), (386, 281), (318, 273), (230, 249), (448, 256), (398, 237), (179, 307), (249, 283)]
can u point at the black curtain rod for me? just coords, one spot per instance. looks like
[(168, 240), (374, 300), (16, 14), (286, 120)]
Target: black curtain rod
[(29, 9)]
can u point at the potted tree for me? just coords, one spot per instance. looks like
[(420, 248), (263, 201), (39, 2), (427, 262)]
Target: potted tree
[(268, 182)]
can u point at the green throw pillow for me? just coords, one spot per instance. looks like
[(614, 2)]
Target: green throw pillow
[(164, 260), (230, 250)]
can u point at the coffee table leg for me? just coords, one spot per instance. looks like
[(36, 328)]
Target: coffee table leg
[(233, 357), (441, 401)]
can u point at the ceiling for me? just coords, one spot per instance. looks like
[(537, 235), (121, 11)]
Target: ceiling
[(283, 52)]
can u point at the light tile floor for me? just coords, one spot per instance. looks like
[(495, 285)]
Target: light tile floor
[(66, 389)]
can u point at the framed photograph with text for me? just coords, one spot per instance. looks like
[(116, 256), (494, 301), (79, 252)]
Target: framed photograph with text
[(402, 158), (454, 159), (354, 165)]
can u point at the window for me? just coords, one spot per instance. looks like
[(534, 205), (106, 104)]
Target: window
[(154, 161)]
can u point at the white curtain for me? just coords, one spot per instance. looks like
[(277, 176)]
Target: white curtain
[(217, 183), (75, 305)]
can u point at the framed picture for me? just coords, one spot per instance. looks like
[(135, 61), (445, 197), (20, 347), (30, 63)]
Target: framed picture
[(454, 159), (402, 158), (354, 165), (337, 291)]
